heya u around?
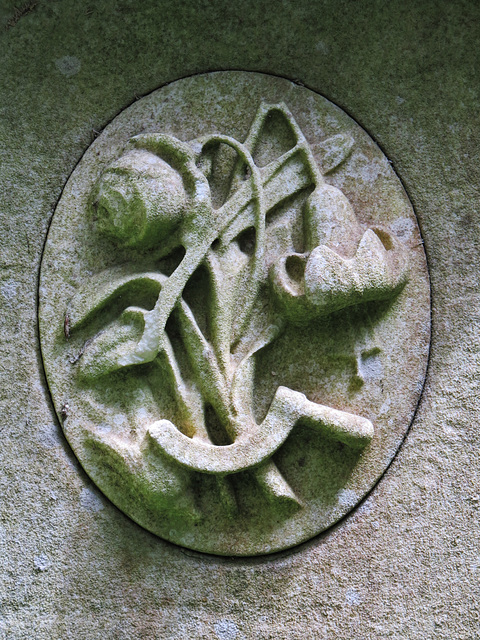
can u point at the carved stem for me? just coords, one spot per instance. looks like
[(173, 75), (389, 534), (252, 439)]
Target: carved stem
[(155, 320)]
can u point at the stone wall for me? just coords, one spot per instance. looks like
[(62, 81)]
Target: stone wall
[(403, 564)]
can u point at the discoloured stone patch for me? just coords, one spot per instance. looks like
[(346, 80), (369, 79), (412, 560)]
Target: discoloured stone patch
[(68, 65)]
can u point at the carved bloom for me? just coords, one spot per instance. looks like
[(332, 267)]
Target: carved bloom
[(139, 200)]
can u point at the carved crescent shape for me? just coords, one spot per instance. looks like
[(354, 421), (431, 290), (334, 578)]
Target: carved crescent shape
[(287, 409)]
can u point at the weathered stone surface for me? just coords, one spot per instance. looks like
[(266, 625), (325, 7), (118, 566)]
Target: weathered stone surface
[(199, 278), (404, 564)]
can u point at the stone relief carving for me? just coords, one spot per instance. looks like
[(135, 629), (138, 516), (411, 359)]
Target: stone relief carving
[(225, 249)]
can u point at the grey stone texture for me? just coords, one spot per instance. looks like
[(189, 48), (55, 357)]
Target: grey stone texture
[(406, 562)]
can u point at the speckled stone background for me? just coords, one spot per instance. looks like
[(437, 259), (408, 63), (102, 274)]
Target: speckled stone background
[(406, 563)]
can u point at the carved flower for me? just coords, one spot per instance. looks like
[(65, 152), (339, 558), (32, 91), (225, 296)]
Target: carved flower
[(139, 200), (323, 280)]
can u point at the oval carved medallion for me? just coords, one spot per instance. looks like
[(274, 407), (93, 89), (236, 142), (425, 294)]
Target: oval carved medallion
[(234, 313)]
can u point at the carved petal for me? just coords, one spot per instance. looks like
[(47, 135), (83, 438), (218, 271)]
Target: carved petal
[(333, 283)]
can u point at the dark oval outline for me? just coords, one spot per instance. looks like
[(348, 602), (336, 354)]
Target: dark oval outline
[(320, 538)]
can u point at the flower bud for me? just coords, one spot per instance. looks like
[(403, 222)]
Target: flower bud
[(139, 200), (330, 220)]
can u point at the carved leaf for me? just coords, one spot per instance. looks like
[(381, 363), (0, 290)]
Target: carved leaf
[(335, 151)]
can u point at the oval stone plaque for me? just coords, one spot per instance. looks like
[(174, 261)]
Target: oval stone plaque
[(234, 313)]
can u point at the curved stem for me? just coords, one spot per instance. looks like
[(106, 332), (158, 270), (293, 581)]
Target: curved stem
[(226, 298), (155, 321)]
